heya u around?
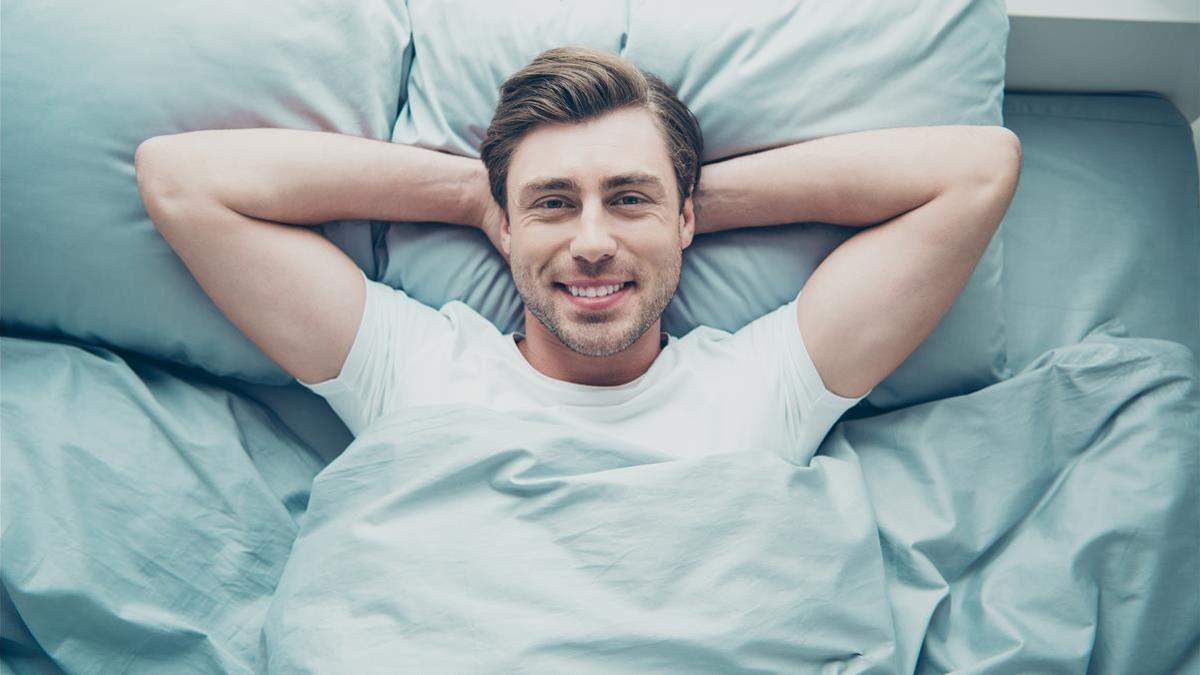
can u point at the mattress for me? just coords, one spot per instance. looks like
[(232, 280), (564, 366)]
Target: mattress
[(1105, 223)]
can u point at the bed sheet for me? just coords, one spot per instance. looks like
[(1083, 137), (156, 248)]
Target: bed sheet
[(1105, 223), (1045, 523)]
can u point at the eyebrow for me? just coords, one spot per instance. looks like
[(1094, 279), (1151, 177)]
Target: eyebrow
[(636, 178)]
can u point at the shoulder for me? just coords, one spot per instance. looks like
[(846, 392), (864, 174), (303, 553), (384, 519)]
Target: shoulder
[(399, 305), (769, 329), (465, 317), (759, 341), (770, 350), (428, 335), (463, 331)]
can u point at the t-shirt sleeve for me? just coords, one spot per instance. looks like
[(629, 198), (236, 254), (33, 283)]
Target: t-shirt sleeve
[(786, 370), (393, 329)]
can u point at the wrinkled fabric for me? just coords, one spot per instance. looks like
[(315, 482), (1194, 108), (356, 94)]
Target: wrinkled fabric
[(1043, 524), (145, 519)]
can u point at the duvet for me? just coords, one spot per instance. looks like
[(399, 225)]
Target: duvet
[(1047, 523)]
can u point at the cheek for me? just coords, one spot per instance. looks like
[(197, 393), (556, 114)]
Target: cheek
[(529, 259), (660, 254)]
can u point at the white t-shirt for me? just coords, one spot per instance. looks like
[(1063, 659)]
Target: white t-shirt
[(707, 392)]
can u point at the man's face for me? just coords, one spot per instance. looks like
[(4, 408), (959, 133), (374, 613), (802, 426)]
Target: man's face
[(596, 202)]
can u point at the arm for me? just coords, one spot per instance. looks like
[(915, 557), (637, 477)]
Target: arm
[(226, 200), (937, 195)]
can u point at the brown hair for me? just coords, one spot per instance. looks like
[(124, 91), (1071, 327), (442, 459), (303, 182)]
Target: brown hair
[(574, 84)]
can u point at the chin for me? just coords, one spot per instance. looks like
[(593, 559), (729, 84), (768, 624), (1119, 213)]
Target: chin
[(599, 338), (598, 348)]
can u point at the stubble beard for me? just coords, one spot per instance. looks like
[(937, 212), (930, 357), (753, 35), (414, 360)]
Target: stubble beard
[(598, 334)]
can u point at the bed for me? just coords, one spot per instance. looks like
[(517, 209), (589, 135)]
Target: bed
[(1029, 504)]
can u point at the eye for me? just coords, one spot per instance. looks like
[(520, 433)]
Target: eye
[(636, 200), (553, 203)]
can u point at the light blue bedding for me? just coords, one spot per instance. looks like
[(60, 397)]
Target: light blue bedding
[(1047, 523), (1105, 222), (145, 518)]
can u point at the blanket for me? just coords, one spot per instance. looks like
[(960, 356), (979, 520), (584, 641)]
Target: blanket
[(1047, 523)]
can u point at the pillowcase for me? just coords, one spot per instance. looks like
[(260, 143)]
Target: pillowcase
[(84, 85), (756, 75)]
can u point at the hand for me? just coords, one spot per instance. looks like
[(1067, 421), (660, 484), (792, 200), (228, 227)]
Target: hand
[(485, 213), (489, 219)]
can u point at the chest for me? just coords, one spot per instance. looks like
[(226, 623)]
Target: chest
[(694, 411)]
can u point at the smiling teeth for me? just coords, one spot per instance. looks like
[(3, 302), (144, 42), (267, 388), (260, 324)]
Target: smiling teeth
[(594, 291)]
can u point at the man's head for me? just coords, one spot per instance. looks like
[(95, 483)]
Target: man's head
[(593, 162)]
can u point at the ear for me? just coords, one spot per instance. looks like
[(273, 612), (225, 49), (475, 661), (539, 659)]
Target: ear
[(687, 222), (505, 234)]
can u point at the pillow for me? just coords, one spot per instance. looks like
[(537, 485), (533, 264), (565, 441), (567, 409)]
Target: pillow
[(84, 85), (756, 75)]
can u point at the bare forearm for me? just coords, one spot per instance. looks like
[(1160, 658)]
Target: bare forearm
[(853, 179), (309, 177)]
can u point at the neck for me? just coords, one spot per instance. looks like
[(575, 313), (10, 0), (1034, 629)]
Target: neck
[(550, 357)]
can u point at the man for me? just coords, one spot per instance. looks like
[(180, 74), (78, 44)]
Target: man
[(590, 185)]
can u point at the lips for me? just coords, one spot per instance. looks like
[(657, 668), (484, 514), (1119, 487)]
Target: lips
[(595, 304)]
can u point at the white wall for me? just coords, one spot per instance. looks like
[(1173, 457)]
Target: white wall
[(1108, 45), (1111, 10)]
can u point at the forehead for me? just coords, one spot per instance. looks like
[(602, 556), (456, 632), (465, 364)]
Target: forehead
[(591, 153)]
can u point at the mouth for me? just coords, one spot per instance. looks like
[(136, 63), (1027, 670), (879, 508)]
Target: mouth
[(600, 302)]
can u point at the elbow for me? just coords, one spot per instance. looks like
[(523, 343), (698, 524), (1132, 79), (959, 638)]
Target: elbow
[(145, 161), (989, 163), (151, 166), (996, 157), (1008, 156), (1007, 172), (158, 182)]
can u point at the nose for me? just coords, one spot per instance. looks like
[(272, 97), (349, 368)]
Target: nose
[(593, 240)]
